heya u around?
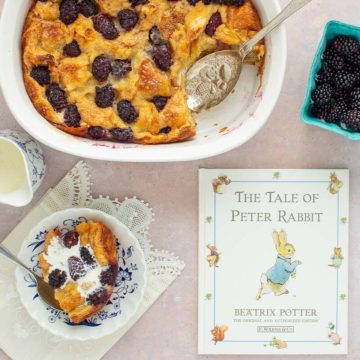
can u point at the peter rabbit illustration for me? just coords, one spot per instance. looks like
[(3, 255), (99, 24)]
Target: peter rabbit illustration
[(214, 256), (335, 184), (337, 258), (333, 336), (276, 277)]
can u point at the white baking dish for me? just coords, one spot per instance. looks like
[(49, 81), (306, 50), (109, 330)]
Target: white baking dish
[(221, 129)]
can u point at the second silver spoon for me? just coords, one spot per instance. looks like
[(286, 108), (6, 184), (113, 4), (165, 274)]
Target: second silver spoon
[(45, 291)]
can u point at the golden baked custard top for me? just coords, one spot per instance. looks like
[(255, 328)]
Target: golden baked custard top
[(81, 265), (115, 69)]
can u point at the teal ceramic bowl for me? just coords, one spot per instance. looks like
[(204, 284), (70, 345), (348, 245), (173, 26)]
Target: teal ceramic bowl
[(332, 29)]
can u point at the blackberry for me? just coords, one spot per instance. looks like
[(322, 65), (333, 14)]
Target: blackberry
[(70, 239), (320, 111), (161, 55), (86, 257), (193, 2), (324, 76), (137, 2), (72, 116), (126, 111), (155, 36), (341, 94), (104, 96), (120, 68), (72, 49), (165, 130), (355, 105), (105, 26), (101, 68), (97, 132), (108, 276), (56, 97), (332, 59), (345, 45), (354, 59), (76, 267), (336, 112), (351, 120), (322, 94), (127, 18), (214, 22), (159, 102), (88, 8), (354, 70), (69, 11), (41, 75), (161, 52), (344, 79), (236, 3), (57, 278), (355, 94), (125, 135), (98, 297)]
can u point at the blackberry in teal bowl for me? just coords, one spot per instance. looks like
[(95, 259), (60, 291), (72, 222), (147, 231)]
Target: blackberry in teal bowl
[(332, 100)]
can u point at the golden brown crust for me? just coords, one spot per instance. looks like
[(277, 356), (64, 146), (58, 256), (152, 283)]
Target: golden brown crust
[(183, 25), (103, 244), (244, 17), (101, 239)]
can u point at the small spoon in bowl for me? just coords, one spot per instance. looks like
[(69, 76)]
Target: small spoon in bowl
[(45, 291), (211, 79)]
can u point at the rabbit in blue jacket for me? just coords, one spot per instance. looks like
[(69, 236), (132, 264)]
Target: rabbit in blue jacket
[(277, 276)]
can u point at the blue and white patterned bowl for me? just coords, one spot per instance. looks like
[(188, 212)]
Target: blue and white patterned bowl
[(128, 292)]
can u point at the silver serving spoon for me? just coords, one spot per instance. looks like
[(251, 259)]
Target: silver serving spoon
[(45, 291), (211, 79)]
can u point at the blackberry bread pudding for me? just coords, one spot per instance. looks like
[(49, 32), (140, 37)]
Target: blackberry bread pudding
[(116, 69), (81, 265)]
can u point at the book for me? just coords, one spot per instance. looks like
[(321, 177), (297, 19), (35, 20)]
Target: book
[(273, 261)]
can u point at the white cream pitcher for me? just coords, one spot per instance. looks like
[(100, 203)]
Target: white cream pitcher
[(22, 167)]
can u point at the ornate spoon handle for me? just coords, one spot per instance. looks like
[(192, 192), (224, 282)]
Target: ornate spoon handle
[(290, 9)]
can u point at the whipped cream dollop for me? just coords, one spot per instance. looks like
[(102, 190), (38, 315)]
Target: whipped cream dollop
[(58, 256)]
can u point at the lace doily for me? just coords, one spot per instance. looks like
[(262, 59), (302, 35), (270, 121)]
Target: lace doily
[(17, 327), (75, 191)]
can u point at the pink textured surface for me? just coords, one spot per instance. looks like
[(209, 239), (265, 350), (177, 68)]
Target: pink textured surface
[(169, 329)]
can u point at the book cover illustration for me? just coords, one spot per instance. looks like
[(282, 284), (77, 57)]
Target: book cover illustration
[(273, 261)]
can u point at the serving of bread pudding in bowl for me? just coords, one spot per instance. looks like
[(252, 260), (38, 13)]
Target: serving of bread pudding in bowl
[(116, 69), (95, 266), (81, 265)]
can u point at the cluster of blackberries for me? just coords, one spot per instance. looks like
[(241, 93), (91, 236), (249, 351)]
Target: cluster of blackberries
[(336, 98)]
